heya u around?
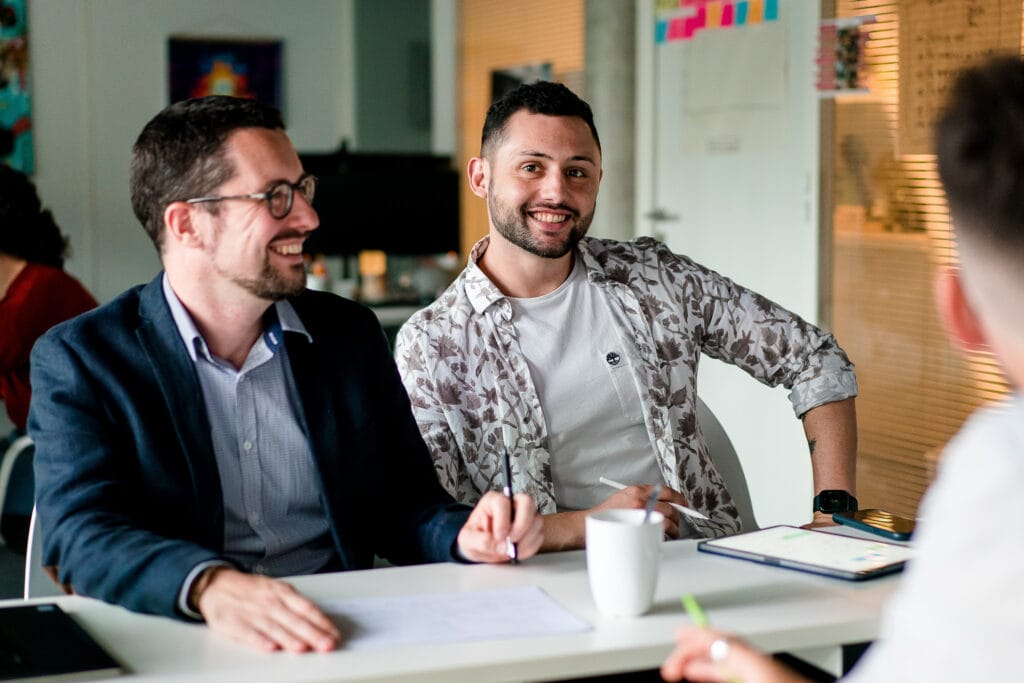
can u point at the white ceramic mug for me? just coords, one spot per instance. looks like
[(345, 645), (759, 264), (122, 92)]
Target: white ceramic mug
[(623, 556)]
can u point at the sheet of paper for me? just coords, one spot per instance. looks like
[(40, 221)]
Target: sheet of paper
[(451, 617)]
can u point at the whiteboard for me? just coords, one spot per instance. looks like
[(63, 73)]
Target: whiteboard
[(728, 135)]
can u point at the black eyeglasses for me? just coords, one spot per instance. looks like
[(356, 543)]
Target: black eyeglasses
[(279, 198)]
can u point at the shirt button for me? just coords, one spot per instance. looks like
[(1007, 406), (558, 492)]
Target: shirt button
[(612, 358), (247, 445)]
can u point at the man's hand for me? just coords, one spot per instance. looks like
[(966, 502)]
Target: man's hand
[(482, 537), (266, 613), (567, 530), (635, 497)]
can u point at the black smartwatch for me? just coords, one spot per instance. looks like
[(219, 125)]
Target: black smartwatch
[(834, 500)]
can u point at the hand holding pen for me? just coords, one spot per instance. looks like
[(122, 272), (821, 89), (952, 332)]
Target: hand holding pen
[(503, 527)]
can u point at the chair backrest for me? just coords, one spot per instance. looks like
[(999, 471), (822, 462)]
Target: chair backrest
[(728, 464), (16, 481), (38, 584)]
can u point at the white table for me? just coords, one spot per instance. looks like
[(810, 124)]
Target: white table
[(777, 609)]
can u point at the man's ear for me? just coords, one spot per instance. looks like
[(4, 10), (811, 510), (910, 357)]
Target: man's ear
[(479, 173), (960, 318), (180, 226)]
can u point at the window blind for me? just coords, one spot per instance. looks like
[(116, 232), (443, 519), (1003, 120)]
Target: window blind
[(891, 231)]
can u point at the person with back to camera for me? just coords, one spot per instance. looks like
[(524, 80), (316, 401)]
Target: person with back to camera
[(203, 435), (957, 613), (35, 295)]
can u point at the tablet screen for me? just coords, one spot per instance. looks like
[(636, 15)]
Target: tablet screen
[(814, 551)]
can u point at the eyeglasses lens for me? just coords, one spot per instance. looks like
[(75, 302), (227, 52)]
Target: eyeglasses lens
[(281, 196)]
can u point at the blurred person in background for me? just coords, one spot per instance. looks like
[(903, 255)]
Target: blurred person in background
[(35, 295)]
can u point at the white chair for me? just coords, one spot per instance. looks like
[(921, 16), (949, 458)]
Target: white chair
[(16, 482), (38, 583), (728, 464)]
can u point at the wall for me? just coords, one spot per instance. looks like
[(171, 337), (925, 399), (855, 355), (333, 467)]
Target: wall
[(393, 67), (99, 72), (496, 34)]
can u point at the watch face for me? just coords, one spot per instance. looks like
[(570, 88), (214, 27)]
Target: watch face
[(833, 500)]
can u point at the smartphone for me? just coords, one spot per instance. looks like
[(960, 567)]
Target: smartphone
[(879, 522)]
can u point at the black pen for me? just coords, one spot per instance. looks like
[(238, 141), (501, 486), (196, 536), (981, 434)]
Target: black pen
[(510, 547)]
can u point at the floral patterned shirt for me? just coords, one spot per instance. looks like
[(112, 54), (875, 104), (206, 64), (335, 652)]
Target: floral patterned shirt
[(473, 396)]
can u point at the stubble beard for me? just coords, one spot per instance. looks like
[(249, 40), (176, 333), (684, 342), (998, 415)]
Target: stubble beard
[(512, 224), (273, 285)]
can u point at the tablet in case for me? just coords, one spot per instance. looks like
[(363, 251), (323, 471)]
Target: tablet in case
[(41, 642), (818, 552)]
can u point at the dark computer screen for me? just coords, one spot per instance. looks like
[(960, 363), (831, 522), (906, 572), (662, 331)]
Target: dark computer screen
[(398, 203)]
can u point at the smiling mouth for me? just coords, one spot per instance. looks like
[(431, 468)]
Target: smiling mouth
[(553, 218), (287, 249)]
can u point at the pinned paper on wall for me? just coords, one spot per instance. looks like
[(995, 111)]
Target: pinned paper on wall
[(937, 39), (683, 19), (841, 56), (742, 113)]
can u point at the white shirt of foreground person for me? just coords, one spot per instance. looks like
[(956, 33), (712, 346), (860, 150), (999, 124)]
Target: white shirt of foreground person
[(959, 613)]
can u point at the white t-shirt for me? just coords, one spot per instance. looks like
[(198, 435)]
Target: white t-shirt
[(959, 612), (587, 394)]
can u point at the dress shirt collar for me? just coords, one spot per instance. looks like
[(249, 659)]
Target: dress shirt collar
[(482, 293), (287, 320)]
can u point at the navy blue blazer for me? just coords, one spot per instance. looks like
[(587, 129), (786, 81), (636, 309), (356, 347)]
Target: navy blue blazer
[(127, 488)]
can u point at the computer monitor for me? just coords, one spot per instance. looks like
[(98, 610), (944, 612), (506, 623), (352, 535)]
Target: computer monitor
[(397, 203)]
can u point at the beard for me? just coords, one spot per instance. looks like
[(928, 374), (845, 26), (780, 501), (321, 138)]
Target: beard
[(512, 224), (272, 284)]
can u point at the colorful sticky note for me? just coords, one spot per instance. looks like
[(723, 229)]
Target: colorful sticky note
[(714, 14), (676, 29), (660, 31), (771, 10), (755, 12), (741, 12), (727, 11)]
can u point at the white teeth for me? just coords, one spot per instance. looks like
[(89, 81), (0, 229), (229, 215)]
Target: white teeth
[(550, 217), (288, 249)]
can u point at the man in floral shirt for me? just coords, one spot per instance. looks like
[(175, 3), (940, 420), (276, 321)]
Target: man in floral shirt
[(579, 356)]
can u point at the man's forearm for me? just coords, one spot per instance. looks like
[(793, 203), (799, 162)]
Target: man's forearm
[(564, 531), (831, 431)]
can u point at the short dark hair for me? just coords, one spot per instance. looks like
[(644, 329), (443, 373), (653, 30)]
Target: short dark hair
[(980, 147), (542, 97), (27, 230), (180, 153)]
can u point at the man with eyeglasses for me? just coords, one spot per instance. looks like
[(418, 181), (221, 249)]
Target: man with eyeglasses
[(223, 425)]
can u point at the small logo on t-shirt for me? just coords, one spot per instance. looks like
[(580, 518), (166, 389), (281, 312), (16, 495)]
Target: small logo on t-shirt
[(613, 358)]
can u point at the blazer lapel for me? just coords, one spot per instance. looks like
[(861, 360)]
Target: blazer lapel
[(319, 418), (159, 338)]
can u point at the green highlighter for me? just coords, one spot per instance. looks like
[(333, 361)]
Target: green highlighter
[(697, 616), (694, 611)]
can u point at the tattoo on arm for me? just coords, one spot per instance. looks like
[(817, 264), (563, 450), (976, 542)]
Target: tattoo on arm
[(811, 443)]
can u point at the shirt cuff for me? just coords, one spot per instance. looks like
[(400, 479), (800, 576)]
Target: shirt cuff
[(186, 587)]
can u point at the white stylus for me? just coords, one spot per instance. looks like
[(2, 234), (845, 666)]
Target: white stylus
[(682, 508)]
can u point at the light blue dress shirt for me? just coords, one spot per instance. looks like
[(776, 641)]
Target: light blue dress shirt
[(274, 519)]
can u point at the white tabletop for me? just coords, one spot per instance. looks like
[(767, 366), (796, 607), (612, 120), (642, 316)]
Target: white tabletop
[(777, 609)]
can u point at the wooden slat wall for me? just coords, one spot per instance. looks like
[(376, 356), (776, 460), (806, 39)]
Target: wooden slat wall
[(916, 390), (496, 34)]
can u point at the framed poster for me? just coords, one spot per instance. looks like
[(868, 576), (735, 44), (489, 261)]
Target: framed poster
[(213, 66)]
